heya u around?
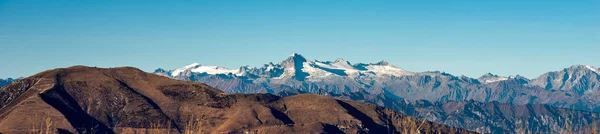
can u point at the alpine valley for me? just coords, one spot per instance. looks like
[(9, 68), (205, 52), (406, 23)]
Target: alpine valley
[(491, 103)]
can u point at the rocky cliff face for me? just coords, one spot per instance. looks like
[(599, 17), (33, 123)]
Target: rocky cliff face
[(126, 100)]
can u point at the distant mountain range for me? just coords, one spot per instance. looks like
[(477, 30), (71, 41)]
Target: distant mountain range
[(384, 84), (574, 87)]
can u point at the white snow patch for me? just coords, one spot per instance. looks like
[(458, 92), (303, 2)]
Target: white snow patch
[(496, 79), (288, 72), (593, 69), (342, 65), (215, 70), (316, 70), (314, 73), (270, 67), (178, 71), (352, 72), (192, 65), (197, 68), (387, 70)]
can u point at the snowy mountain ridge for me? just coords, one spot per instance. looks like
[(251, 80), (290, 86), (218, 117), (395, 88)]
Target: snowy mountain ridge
[(573, 87), (298, 66)]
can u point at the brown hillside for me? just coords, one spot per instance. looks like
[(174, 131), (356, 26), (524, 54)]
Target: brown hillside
[(127, 100)]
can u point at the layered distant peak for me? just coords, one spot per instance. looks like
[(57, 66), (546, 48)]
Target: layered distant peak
[(6, 81), (242, 70), (293, 66), (584, 68), (269, 67), (579, 70), (214, 70), (162, 72), (517, 77), (578, 78), (490, 78), (301, 69), (295, 57), (341, 63), (384, 68), (193, 65), (383, 63), (294, 62), (487, 75), (344, 68), (339, 60), (296, 54), (178, 71), (337, 64), (520, 79), (245, 68)]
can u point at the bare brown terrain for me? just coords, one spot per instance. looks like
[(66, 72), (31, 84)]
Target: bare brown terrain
[(83, 99)]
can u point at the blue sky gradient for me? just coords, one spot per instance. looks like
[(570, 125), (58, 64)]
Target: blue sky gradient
[(469, 37)]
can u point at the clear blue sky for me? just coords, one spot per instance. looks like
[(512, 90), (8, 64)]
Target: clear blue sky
[(469, 37)]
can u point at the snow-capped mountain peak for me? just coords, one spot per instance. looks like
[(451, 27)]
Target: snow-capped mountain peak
[(293, 66), (192, 65), (213, 70), (490, 78), (270, 66), (337, 64), (384, 68), (339, 60), (298, 67), (178, 71), (296, 56), (197, 68)]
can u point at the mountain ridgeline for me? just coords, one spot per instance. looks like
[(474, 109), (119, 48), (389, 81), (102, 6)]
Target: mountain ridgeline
[(548, 101), (83, 99), (575, 87), (483, 117)]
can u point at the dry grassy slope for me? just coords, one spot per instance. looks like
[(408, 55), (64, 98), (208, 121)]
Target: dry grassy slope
[(83, 99)]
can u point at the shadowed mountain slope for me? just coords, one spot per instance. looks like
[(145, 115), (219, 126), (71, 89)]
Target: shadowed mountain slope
[(483, 117)]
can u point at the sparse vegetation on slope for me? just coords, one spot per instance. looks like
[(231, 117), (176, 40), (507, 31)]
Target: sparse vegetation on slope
[(127, 100)]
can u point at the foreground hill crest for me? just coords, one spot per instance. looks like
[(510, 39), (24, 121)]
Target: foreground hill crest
[(83, 99)]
